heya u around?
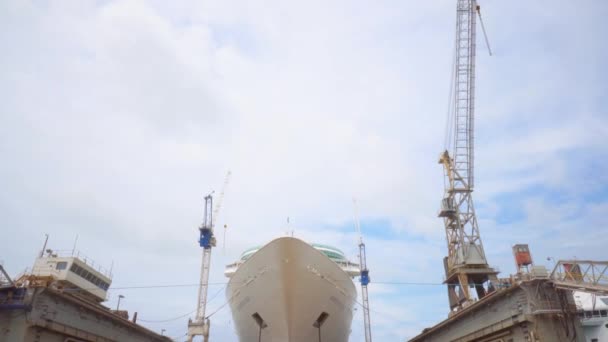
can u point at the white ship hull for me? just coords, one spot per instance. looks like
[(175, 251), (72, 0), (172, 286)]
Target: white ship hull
[(279, 294)]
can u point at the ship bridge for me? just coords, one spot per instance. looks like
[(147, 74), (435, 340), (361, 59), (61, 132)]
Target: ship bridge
[(74, 271)]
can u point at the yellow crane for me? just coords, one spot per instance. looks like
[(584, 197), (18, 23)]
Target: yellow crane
[(466, 265)]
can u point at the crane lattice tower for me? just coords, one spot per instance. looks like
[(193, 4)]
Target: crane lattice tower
[(466, 265), (200, 325)]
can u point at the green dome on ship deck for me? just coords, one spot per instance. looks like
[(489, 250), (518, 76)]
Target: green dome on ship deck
[(331, 252), (249, 252)]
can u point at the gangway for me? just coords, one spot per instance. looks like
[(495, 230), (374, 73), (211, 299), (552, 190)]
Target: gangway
[(581, 275)]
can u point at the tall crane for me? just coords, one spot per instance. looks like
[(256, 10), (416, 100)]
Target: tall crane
[(201, 324), (466, 264), (364, 278)]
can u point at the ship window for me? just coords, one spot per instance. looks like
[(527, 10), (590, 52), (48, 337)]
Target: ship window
[(62, 265), (603, 313), (76, 269), (90, 277)]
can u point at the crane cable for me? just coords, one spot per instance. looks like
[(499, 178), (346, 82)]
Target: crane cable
[(450, 111), (483, 29), (451, 95), (181, 316)]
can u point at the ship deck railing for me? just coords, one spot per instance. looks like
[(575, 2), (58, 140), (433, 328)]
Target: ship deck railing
[(351, 268)]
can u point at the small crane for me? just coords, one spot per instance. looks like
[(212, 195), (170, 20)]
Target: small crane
[(201, 324), (364, 278)]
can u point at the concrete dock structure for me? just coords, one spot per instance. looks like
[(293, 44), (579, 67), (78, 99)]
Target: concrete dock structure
[(42, 314), (533, 310)]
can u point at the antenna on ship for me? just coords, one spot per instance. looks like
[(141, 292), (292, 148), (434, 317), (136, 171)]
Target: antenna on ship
[(288, 228), (364, 276), (75, 242), (46, 240)]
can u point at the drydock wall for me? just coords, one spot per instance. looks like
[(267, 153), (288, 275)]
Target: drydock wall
[(533, 311), (44, 315)]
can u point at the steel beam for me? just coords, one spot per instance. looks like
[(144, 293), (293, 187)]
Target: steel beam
[(581, 275)]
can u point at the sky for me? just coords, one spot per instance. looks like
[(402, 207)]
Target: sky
[(117, 117)]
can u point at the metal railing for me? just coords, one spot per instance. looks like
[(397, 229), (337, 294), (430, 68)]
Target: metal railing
[(349, 267)]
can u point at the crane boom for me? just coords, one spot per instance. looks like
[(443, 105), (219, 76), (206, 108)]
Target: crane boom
[(464, 94), (466, 263), (220, 201)]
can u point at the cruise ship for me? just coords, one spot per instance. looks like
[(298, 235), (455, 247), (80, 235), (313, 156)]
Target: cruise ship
[(292, 291)]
